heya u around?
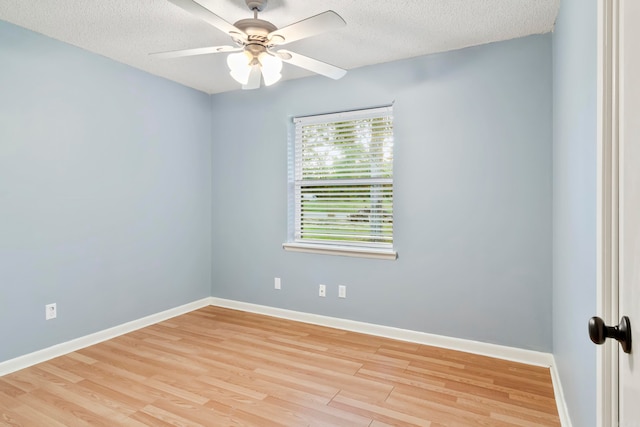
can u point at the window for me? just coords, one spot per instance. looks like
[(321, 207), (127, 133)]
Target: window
[(343, 183)]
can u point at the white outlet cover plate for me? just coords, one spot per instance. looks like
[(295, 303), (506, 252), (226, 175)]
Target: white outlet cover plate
[(342, 291), (51, 311)]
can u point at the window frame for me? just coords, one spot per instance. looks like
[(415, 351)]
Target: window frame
[(354, 248)]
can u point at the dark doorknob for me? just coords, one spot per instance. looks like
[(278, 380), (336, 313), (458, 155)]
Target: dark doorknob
[(599, 332)]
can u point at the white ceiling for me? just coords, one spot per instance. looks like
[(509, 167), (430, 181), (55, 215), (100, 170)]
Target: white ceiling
[(377, 31)]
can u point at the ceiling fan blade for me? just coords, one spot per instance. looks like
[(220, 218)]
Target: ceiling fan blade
[(196, 51), (206, 15), (311, 64), (254, 78), (317, 24)]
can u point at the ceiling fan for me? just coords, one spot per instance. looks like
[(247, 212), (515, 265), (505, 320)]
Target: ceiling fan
[(255, 40)]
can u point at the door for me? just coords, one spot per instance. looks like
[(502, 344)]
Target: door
[(618, 371), (629, 237)]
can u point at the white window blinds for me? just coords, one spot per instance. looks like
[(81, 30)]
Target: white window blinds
[(344, 178)]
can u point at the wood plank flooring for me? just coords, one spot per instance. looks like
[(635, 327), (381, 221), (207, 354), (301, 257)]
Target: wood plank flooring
[(221, 367)]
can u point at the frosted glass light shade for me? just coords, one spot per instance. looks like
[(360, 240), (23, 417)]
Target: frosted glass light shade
[(271, 67), (239, 64)]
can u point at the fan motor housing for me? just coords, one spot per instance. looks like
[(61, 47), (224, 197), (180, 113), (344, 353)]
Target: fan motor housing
[(256, 29)]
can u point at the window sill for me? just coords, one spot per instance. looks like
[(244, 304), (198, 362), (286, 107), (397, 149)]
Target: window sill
[(389, 254)]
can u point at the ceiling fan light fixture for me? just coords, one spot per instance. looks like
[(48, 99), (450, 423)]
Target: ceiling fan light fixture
[(271, 67), (270, 79), (254, 37), (241, 76), (240, 66)]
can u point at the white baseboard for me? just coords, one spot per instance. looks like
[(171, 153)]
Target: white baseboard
[(57, 350), (529, 357), (561, 403)]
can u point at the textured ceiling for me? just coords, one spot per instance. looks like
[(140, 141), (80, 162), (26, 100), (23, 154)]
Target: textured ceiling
[(377, 31)]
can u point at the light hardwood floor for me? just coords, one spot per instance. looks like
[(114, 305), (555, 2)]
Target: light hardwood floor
[(221, 367)]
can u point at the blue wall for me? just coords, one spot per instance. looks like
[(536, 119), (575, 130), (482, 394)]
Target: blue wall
[(105, 183), (473, 168), (574, 204)]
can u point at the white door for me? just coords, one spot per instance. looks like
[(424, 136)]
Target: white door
[(629, 140)]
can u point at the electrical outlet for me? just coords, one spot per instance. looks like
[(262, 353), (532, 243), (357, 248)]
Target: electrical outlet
[(322, 291), (276, 283), (342, 291), (50, 311)]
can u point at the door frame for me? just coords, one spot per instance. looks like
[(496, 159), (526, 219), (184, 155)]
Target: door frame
[(607, 206)]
